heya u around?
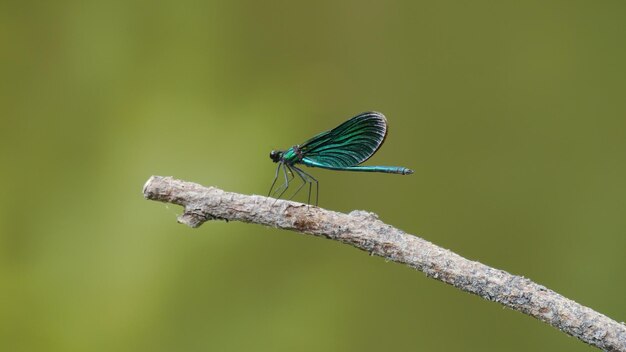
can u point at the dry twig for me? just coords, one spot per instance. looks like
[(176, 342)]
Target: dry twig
[(363, 230)]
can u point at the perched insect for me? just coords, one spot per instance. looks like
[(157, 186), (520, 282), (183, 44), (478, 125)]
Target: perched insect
[(342, 148)]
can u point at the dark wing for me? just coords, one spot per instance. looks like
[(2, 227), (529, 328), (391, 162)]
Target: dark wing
[(348, 144)]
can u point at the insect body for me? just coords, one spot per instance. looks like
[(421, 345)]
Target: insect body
[(342, 148)]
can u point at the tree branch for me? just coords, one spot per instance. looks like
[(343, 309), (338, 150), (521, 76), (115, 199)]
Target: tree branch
[(363, 230)]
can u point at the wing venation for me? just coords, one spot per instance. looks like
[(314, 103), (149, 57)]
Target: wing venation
[(348, 144)]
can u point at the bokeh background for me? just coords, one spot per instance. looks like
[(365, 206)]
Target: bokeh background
[(513, 115)]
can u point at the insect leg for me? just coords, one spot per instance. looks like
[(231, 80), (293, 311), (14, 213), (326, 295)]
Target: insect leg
[(304, 181), (286, 184), (310, 179), (274, 182)]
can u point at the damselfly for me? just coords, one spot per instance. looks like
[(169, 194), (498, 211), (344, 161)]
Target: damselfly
[(342, 148)]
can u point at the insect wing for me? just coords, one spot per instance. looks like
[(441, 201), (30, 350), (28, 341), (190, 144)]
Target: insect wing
[(348, 144)]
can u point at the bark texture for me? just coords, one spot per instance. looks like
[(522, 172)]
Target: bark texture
[(365, 231)]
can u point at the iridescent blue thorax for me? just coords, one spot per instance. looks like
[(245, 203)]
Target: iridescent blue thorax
[(290, 156)]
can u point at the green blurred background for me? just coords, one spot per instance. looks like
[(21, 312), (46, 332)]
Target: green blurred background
[(513, 115)]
